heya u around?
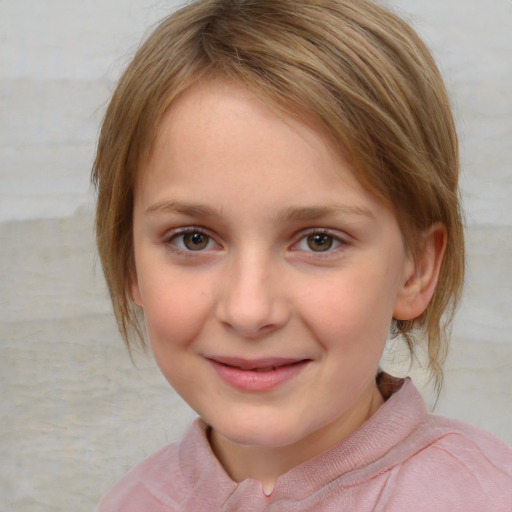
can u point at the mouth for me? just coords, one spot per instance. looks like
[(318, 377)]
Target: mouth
[(257, 374), (256, 365)]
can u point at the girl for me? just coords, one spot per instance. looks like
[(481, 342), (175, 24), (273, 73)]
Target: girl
[(277, 193)]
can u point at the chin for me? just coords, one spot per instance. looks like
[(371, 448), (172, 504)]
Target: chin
[(259, 433)]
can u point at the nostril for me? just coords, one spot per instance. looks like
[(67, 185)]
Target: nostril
[(250, 302), (249, 320)]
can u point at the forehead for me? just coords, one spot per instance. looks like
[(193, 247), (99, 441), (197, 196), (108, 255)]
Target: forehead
[(213, 124), (221, 150), (215, 117)]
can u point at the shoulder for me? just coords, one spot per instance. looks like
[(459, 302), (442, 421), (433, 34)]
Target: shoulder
[(456, 466), (181, 476), (165, 480), (469, 447), (141, 488), (456, 432)]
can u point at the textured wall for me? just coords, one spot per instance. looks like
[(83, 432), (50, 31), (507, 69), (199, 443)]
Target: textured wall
[(75, 412)]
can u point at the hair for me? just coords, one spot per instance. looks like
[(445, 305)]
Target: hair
[(354, 67)]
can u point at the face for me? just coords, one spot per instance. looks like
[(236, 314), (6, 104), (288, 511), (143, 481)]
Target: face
[(267, 275)]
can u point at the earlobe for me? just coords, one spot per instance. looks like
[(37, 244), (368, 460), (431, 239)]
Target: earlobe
[(135, 292), (421, 275)]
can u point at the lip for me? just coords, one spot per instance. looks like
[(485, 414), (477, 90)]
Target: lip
[(257, 375)]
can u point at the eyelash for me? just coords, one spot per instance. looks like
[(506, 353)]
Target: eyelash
[(170, 239), (336, 240)]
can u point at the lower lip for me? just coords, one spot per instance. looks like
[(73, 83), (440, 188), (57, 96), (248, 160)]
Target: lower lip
[(250, 380)]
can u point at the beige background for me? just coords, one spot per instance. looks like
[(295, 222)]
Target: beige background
[(75, 412)]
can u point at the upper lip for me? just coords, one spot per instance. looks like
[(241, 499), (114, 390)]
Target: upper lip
[(254, 364)]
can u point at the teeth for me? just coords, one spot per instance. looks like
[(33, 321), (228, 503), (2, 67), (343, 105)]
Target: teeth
[(266, 369)]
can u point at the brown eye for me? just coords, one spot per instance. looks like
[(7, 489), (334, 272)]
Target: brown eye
[(189, 240), (320, 242), (195, 241)]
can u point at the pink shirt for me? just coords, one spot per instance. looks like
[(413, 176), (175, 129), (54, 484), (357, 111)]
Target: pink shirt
[(401, 460)]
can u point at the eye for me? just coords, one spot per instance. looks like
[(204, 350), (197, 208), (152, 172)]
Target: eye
[(319, 242), (193, 240)]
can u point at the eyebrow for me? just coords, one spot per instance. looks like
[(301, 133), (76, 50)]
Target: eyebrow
[(189, 209), (318, 212), (293, 213)]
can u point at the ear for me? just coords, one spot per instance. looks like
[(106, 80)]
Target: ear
[(135, 294), (421, 274)]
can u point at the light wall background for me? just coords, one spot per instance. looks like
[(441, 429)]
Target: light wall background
[(75, 413)]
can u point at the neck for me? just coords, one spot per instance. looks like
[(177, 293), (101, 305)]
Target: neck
[(267, 464)]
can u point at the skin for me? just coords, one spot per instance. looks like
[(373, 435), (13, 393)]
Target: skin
[(248, 279)]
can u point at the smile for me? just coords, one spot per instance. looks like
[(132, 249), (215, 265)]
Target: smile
[(257, 375)]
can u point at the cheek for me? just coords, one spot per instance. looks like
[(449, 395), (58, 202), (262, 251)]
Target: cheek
[(174, 313), (174, 317), (351, 311)]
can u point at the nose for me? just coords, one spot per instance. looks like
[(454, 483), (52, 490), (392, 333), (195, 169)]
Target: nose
[(253, 300)]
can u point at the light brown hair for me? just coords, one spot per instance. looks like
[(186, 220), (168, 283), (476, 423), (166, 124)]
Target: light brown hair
[(352, 65)]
